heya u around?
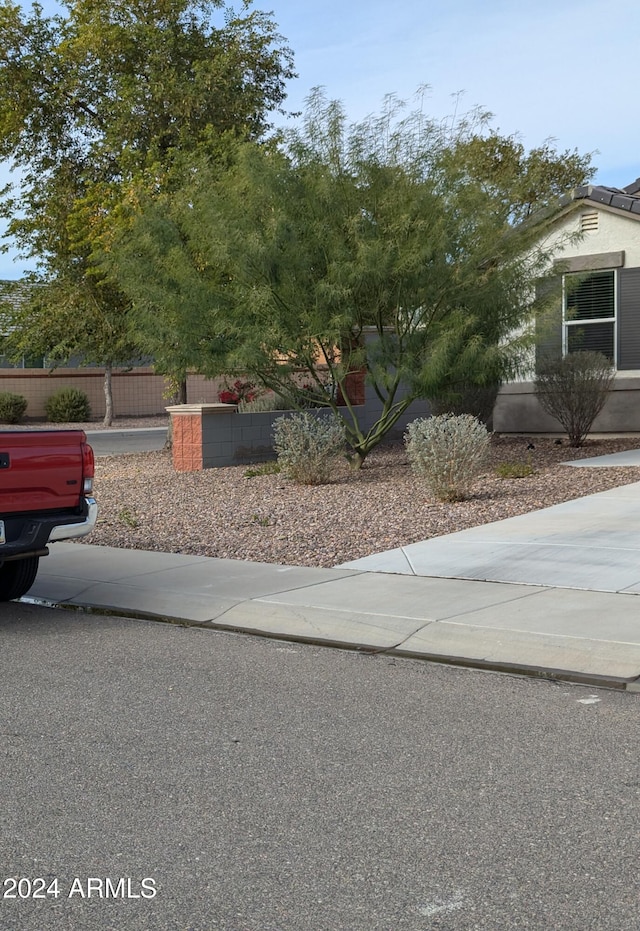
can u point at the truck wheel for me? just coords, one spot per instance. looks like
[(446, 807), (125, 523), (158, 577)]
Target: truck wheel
[(16, 578)]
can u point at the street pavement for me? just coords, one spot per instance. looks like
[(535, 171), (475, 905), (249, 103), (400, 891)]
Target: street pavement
[(255, 785), (551, 593), (138, 440)]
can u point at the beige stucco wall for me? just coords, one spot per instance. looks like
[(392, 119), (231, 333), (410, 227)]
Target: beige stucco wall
[(517, 409), (617, 230), (138, 392)]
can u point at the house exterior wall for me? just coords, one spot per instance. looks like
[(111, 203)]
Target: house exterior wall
[(615, 244), (517, 409), (616, 231)]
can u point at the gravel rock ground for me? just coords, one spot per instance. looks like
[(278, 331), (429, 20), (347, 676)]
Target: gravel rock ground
[(144, 504)]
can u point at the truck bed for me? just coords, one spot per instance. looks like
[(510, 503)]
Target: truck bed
[(40, 470)]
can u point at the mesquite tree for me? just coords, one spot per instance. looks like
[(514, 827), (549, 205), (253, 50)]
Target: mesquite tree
[(347, 248)]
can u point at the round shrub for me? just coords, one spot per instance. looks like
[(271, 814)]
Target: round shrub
[(12, 407), (68, 405), (308, 446), (449, 452)]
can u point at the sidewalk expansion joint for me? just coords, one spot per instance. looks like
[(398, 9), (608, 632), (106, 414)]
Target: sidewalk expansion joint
[(409, 563)]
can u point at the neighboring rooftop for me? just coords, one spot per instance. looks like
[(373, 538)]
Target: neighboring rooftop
[(13, 292), (626, 198)]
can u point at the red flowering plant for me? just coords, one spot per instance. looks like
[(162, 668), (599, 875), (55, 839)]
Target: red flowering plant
[(239, 391)]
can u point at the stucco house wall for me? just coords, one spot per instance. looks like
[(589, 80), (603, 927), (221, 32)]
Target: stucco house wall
[(616, 230), (598, 231)]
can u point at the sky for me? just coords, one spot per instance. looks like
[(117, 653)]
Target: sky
[(554, 69)]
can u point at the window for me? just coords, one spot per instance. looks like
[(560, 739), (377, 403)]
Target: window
[(26, 362), (589, 313)]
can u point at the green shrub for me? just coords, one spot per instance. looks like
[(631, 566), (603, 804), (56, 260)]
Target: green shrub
[(514, 470), (68, 405), (308, 446), (449, 452), (574, 389), (12, 407)]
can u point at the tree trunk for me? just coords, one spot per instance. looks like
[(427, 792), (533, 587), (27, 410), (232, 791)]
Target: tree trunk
[(108, 396), (182, 391), (168, 443)]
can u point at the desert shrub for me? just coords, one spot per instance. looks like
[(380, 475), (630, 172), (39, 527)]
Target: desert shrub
[(574, 389), (266, 402), (449, 452), (306, 397), (514, 470), (12, 407), (308, 446), (68, 405)]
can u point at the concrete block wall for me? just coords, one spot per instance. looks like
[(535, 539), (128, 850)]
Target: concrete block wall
[(210, 436), (236, 439), (372, 409)]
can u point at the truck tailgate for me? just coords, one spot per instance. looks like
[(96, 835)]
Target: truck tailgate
[(40, 470)]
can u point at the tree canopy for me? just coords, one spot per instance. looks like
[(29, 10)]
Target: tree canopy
[(110, 93), (292, 259)]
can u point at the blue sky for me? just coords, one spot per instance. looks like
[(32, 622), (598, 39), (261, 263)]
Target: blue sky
[(564, 69)]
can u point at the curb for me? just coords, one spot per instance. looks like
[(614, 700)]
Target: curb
[(630, 685)]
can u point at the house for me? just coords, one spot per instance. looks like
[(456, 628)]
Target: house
[(14, 293), (595, 242)]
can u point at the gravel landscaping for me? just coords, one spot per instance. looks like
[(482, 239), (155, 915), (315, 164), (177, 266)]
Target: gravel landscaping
[(144, 504)]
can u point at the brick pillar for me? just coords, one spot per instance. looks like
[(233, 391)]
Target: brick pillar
[(187, 442), (187, 433)]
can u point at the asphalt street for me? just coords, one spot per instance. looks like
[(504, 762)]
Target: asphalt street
[(258, 785), (115, 442)]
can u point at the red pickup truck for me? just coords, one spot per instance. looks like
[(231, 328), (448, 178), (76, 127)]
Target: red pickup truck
[(46, 484)]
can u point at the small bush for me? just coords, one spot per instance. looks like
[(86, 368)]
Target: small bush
[(266, 402), (449, 452), (305, 397), (308, 447), (574, 389), (129, 518), (514, 470), (68, 405), (12, 407)]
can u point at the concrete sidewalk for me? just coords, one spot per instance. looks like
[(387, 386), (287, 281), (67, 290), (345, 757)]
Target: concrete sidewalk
[(584, 636), (551, 593), (590, 543)]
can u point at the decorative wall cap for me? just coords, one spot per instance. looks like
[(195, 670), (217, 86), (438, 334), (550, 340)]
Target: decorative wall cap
[(217, 408)]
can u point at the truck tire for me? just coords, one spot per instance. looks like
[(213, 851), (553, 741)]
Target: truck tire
[(17, 577)]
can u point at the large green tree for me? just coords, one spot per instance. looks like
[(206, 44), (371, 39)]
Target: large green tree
[(352, 247), (109, 93)]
